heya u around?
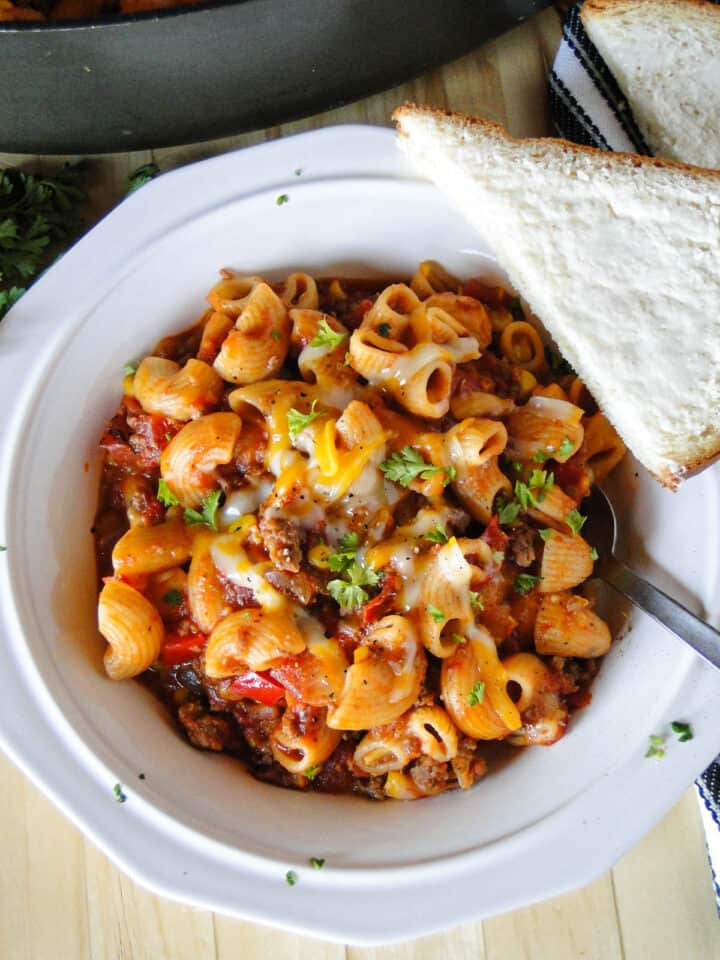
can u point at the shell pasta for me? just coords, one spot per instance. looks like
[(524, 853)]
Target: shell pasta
[(340, 532)]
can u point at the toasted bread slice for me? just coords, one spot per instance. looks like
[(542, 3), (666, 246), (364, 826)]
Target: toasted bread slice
[(665, 55), (619, 257)]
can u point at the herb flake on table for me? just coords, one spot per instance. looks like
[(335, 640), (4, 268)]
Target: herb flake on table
[(291, 878), (683, 730), (317, 863), (656, 747), (138, 178), (120, 796)]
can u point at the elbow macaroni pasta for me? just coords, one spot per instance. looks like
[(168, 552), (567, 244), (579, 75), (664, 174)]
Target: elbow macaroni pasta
[(339, 530)]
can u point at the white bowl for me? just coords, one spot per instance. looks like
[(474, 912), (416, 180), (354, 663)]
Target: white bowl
[(197, 827)]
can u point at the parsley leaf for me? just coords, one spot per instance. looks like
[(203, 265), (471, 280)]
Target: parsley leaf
[(540, 456), (291, 878), (141, 176), (208, 515), (594, 555), (575, 521), (684, 730), (130, 369), (508, 513), (276, 335), (525, 495), (498, 556), (283, 198), (349, 593), (546, 534), (524, 582), (517, 467), (119, 795), (437, 614), (3, 549), (475, 601), (405, 466), (165, 495), (566, 447), (317, 863), (383, 329), (458, 638), (657, 747), (173, 598), (297, 421), (477, 694), (312, 772), (340, 561), (437, 535), (326, 336)]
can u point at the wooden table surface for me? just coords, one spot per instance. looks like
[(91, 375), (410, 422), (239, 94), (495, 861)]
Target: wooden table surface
[(60, 899)]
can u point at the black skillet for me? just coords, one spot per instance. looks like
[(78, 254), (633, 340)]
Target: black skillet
[(189, 74)]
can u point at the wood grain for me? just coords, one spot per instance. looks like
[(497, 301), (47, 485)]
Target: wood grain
[(60, 898)]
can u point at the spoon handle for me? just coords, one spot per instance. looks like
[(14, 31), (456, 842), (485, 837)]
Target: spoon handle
[(699, 635)]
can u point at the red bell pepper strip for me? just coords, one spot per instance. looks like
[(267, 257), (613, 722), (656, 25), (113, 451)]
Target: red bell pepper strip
[(257, 686), (177, 649)]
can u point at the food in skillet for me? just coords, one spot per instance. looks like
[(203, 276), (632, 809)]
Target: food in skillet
[(80, 9), (340, 535)]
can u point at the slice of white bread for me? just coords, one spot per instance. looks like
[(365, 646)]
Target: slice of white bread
[(665, 55), (619, 257)]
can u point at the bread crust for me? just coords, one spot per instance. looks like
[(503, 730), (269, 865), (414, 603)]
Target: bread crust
[(597, 9), (465, 121)]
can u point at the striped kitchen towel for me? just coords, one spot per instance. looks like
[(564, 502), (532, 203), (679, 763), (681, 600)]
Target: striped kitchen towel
[(589, 107)]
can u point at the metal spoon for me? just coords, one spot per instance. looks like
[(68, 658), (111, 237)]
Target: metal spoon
[(600, 531)]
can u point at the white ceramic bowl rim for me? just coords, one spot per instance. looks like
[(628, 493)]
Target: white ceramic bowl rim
[(166, 846)]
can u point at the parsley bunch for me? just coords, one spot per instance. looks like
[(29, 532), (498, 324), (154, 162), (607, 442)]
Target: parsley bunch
[(39, 217)]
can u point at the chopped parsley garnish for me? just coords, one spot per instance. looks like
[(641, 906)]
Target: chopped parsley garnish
[(312, 772), (283, 198), (340, 561), (165, 495), (317, 863), (575, 521), (437, 614), (566, 447), (349, 593), (683, 730), (3, 549), (594, 555), (517, 467), (540, 456), (297, 171), (546, 534), (437, 535), (168, 436), (297, 421), (542, 480), (525, 495), (291, 878), (475, 601), (383, 329), (408, 464), (276, 335), (130, 369), (657, 747), (208, 515), (498, 556), (119, 795), (326, 336), (458, 638), (508, 513), (477, 694), (173, 598), (524, 582), (141, 176)]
